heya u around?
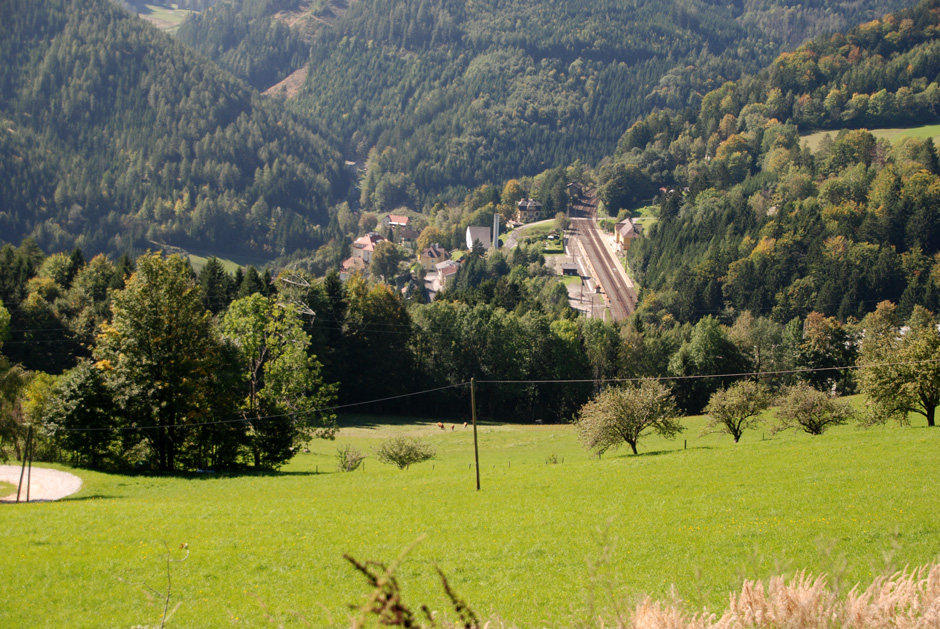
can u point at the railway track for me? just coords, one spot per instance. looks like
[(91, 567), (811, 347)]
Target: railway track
[(620, 297)]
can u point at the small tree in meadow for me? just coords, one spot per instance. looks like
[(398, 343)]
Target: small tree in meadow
[(811, 410), (404, 451), (350, 458), (623, 414), (737, 408)]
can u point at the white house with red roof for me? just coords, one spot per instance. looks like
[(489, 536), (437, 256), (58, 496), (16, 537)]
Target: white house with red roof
[(364, 247)]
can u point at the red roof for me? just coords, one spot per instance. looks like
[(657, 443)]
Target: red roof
[(368, 242), (398, 219)]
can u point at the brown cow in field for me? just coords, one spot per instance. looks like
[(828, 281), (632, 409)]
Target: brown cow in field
[(465, 424), (440, 425)]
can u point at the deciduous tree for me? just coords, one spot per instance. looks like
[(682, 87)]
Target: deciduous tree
[(385, 260), (737, 408), (285, 397), (161, 355), (811, 410), (900, 373), (627, 413), (80, 415)]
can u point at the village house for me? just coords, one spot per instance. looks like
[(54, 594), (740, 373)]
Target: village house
[(351, 266), (433, 255), (483, 235), (528, 210), (364, 247), (442, 276), (406, 237), (625, 232), (396, 220)]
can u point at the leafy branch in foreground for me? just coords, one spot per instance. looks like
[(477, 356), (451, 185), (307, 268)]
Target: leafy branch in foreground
[(385, 600), (169, 584)]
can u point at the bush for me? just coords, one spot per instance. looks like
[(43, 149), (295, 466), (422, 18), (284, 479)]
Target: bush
[(404, 451), (350, 458)]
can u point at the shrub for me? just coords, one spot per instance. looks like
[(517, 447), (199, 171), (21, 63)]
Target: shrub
[(404, 451), (350, 458)]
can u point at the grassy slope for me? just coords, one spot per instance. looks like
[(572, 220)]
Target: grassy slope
[(271, 545), (927, 131), (164, 17)]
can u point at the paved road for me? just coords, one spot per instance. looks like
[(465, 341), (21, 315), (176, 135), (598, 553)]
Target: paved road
[(45, 484)]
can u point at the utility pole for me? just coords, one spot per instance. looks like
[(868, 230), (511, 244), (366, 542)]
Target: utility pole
[(27, 455), (473, 411)]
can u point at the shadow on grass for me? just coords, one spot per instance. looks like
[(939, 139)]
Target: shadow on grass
[(91, 497), (141, 9), (206, 475), (356, 420), (629, 455)]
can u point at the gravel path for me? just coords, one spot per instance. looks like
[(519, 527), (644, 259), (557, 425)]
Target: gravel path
[(45, 484)]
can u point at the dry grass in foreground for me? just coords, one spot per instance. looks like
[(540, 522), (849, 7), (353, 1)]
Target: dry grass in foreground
[(909, 599)]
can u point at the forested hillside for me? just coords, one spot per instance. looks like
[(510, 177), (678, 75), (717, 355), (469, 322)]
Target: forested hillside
[(755, 221), (444, 94), (115, 137), (243, 37)]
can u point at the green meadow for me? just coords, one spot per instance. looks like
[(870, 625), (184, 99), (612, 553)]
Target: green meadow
[(165, 16), (814, 140), (553, 536)]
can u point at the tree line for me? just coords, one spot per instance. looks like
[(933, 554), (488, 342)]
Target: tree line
[(148, 360), (898, 375)]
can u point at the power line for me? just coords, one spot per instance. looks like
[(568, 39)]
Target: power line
[(266, 417), (465, 384)]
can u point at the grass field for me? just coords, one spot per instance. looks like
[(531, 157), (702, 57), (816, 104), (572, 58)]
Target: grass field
[(163, 16), (700, 513), (646, 212), (198, 262), (814, 140), (230, 263), (7, 489)]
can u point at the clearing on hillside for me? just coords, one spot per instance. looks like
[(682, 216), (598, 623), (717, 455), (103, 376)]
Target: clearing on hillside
[(814, 140)]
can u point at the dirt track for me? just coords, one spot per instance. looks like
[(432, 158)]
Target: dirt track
[(45, 484)]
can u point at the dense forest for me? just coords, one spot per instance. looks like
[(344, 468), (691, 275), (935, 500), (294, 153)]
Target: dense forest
[(439, 95), (116, 137), (752, 219), (243, 37)]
